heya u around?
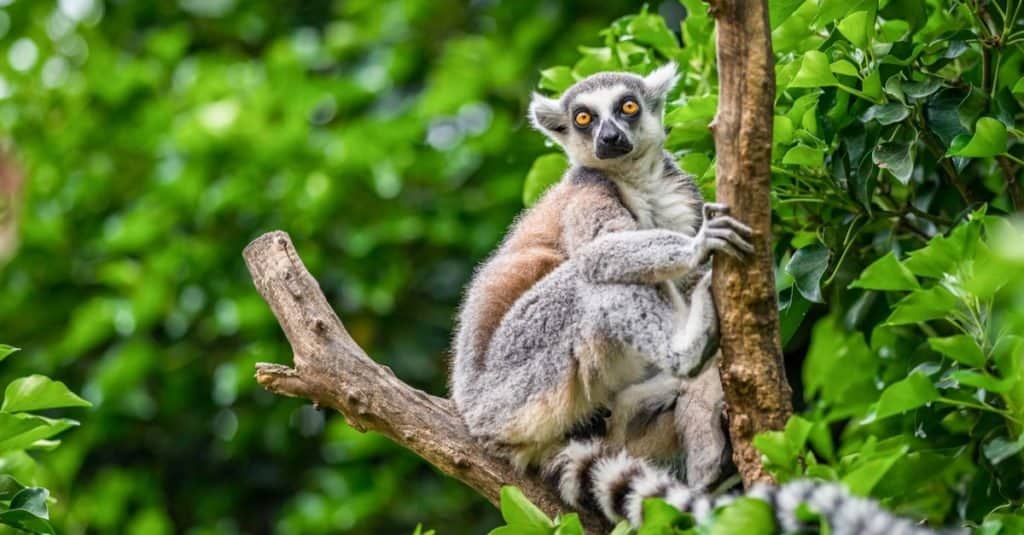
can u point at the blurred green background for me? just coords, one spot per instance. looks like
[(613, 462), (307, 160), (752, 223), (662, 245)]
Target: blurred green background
[(143, 144), (157, 138)]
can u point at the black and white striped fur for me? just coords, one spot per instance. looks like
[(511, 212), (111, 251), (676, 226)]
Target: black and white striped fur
[(591, 476)]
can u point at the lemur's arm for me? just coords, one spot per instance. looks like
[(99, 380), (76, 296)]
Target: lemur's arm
[(656, 255)]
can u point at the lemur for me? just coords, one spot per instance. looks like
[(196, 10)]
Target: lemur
[(583, 342)]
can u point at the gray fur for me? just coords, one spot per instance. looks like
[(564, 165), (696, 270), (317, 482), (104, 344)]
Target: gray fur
[(625, 322)]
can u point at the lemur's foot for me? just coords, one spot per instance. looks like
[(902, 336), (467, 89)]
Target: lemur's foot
[(720, 232)]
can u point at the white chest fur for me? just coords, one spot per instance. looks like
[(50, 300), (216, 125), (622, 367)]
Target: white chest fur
[(658, 201)]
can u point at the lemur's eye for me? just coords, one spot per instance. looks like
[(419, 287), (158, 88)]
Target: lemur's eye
[(583, 118), (630, 107)]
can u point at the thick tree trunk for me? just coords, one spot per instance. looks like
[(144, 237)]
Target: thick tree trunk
[(333, 371), (756, 391)]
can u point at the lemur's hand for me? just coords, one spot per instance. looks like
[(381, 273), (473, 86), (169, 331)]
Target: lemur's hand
[(719, 232)]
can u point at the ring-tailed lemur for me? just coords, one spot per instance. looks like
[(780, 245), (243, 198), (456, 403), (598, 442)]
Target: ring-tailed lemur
[(595, 316), (599, 298)]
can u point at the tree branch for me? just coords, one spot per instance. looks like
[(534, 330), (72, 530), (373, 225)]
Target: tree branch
[(757, 395), (333, 371)]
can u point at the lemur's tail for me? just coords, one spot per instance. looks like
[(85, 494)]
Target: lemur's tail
[(589, 476)]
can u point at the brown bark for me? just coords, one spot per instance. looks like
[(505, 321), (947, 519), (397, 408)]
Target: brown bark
[(333, 371), (758, 397)]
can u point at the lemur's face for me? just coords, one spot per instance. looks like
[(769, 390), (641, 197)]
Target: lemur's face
[(607, 119)]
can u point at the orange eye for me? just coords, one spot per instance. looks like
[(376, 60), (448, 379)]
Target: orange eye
[(630, 107), (583, 118)]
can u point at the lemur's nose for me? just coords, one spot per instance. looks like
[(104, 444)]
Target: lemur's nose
[(611, 136)]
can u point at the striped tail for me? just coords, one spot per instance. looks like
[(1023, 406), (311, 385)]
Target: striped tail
[(589, 476)]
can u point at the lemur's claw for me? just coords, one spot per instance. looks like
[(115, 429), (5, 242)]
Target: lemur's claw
[(713, 210), (724, 233)]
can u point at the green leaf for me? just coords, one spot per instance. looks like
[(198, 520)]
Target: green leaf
[(792, 316), (886, 273), (897, 157), (660, 517), (941, 114), (923, 305), (886, 114), (33, 500), (556, 79), (807, 266), (622, 528), (830, 10), (569, 525), (689, 122), (961, 348), (773, 445), (803, 155), (866, 476), (796, 431), (905, 395), (815, 71), (922, 89), (1018, 89), (745, 515), (25, 521), (518, 512), (545, 171), (651, 30), (840, 367), (9, 487), (19, 431), (6, 351), (858, 29), (695, 163), (28, 512), (936, 259), (845, 67), (999, 449), (780, 10), (989, 139), (37, 392), (782, 130), (983, 381)]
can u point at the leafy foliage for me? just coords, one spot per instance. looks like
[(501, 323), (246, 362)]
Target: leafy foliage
[(896, 157), (25, 507)]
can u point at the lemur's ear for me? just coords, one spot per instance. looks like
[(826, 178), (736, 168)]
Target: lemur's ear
[(547, 116), (659, 83)]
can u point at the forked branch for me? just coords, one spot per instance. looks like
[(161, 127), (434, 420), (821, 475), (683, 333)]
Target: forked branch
[(333, 371)]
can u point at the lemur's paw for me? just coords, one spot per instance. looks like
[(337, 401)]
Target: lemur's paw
[(720, 232)]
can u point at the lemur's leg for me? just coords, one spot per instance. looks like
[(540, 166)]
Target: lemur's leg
[(700, 425), (696, 339), (657, 255), (642, 420), (675, 423)]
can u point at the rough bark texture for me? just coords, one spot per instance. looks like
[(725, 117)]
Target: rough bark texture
[(757, 394), (333, 371)]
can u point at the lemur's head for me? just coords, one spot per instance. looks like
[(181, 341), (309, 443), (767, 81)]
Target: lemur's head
[(607, 118)]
